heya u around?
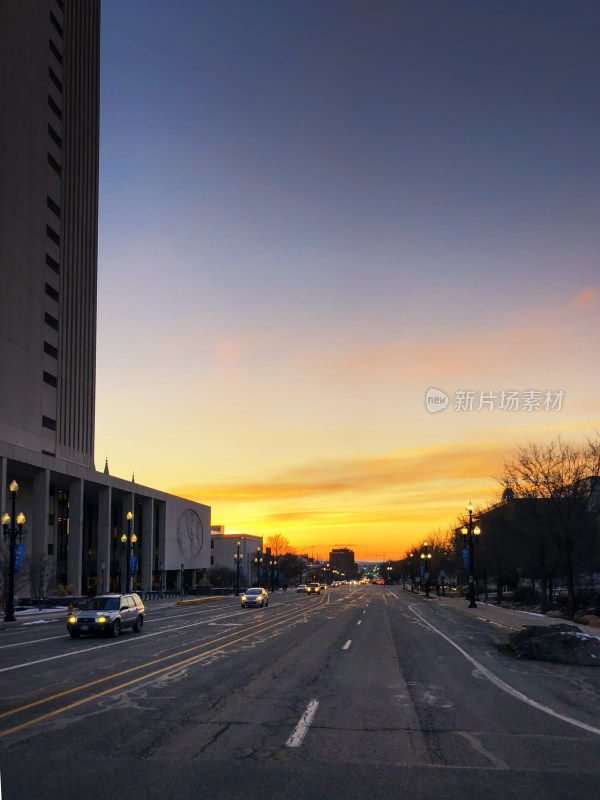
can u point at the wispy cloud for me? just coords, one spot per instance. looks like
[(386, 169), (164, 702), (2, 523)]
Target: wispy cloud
[(585, 298)]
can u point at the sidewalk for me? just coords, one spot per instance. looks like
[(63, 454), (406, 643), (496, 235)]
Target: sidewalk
[(510, 618)]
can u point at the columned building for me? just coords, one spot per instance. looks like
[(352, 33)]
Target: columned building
[(49, 164)]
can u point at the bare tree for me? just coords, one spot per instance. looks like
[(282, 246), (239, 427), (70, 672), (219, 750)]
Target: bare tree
[(554, 486), (279, 545), (40, 572)]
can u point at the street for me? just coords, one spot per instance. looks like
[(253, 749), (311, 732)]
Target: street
[(364, 690)]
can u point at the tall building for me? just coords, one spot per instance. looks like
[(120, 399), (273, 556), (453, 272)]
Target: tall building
[(50, 91), (49, 162)]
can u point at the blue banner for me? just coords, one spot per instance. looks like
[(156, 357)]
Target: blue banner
[(19, 553), (133, 562), (465, 559)]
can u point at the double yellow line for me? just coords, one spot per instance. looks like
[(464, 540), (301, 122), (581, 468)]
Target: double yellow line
[(190, 660)]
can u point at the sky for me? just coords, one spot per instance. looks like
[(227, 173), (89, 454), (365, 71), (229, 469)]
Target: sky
[(312, 213)]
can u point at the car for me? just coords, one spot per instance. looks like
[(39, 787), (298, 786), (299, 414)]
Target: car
[(108, 613), (256, 597), (323, 587), (301, 588), (313, 588)]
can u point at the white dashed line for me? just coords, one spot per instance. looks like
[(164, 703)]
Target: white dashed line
[(301, 729), (359, 621), (347, 645)]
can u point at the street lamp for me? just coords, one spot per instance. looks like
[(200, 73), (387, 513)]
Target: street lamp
[(469, 538), (426, 555), (389, 569), (258, 562), (12, 539), (273, 565), (412, 577), (237, 557), (128, 540)]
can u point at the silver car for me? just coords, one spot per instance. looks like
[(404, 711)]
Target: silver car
[(108, 613), (255, 597)]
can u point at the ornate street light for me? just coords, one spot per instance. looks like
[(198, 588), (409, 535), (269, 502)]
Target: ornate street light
[(237, 558), (128, 540), (470, 535), (273, 564), (258, 562), (426, 555), (412, 577), (389, 570), (12, 534)]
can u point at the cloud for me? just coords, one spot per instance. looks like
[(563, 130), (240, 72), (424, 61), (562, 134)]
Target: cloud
[(585, 298), (361, 478)]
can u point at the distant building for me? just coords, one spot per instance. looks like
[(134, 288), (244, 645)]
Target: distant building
[(342, 559), (224, 549), (49, 175)]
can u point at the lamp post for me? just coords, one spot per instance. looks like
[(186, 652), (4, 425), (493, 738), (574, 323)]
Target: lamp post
[(161, 570), (182, 568), (469, 537), (12, 540), (258, 562), (237, 557), (273, 568), (128, 540), (389, 570), (412, 577), (426, 555), (103, 565)]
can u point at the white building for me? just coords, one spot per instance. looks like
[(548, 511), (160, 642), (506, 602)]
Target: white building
[(224, 551)]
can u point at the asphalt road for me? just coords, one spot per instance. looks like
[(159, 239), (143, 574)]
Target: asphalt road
[(365, 691)]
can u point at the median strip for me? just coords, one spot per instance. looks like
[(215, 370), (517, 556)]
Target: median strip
[(200, 600)]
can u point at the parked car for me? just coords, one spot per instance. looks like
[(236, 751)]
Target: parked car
[(255, 597), (301, 588), (108, 613), (313, 588)]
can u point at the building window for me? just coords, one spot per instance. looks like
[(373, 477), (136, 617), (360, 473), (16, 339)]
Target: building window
[(50, 379), (55, 165), (54, 207), (212, 544), (54, 136), (212, 560), (50, 549), (50, 233), (55, 79), (48, 422), (51, 292), (50, 320), (53, 265), (56, 25), (51, 350), (51, 519), (55, 51), (54, 107)]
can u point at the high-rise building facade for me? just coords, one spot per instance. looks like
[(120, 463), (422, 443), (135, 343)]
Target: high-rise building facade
[(49, 162), (49, 155)]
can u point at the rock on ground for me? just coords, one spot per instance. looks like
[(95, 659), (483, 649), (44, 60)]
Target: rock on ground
[(565, 644)]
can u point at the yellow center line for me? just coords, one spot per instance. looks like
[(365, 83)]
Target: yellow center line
[(257, 628)]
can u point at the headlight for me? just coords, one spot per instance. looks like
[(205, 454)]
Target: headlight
[(72, 620), (101, 619), (243, 598)]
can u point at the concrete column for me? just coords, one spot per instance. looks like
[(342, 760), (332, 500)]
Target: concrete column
[(104, 538), (41, 507), (74, 554), (147, 541)]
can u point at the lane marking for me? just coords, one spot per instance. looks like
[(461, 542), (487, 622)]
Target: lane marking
[(505, 687), (259, 628), (359, 621), (297, 736), (347, 645)]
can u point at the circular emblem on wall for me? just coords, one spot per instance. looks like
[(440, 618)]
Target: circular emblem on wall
[(190, 534)]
